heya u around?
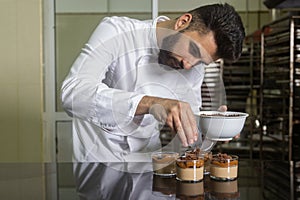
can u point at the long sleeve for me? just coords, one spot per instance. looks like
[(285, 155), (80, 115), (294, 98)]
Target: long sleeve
[(89, 92)]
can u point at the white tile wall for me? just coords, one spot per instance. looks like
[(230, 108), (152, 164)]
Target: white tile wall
[(81, 6)]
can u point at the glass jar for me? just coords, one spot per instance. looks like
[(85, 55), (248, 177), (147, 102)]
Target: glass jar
[(190, 170), (164, 163), (224, 167)]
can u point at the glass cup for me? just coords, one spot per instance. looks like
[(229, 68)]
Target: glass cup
[(164, 163), (224, 167), (189, 169), (207, 156)]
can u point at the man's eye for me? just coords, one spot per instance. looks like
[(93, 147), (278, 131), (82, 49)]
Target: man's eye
[(194, 50)]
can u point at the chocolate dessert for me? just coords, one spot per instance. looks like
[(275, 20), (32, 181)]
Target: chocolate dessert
[(164, 163), (190, 166), (221, 115), (224, 167)]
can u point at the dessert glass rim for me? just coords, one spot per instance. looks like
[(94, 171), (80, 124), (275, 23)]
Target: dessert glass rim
[(164, 152), (191, 159), (233, 157)]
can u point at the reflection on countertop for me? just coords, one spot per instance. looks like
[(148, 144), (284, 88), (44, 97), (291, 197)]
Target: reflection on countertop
[(257, 180)]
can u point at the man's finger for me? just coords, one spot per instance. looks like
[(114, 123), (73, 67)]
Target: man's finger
[(180, 132), (188, 128), (222, 108), (194, 126)]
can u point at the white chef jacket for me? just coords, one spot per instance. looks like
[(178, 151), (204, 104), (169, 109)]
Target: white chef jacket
[(115, 69)]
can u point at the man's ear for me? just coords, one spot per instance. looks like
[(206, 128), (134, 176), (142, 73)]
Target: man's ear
[(183, 21)]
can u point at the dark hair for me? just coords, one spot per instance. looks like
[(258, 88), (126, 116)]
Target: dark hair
[(225, 23)]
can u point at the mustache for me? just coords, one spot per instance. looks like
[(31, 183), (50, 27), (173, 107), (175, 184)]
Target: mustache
[(166, 58)]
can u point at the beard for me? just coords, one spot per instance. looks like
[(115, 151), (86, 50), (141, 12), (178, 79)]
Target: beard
[(166, 56)]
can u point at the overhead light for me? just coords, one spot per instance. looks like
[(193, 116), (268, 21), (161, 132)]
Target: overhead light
[(272, 3), (282, 4)]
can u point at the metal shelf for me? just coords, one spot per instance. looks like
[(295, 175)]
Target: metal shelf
[(280, 92), (212, 87)]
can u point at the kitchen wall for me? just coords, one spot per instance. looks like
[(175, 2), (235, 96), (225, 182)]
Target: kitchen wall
[(21, 100), (20, 81)]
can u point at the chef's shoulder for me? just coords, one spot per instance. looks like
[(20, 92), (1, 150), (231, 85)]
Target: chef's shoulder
[(110, 27), (123, 20)]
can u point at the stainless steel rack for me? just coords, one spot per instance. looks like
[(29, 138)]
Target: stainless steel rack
[(280, 88), (212, 89), (242, 85), (265, 82), (237, 82), (280, 93)]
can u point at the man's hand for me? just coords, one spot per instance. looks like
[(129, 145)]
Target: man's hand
[(176, 114)]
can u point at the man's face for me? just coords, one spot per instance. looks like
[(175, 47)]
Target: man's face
[(185, 50)]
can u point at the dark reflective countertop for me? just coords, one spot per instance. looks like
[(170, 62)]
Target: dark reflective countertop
[(256, 180)]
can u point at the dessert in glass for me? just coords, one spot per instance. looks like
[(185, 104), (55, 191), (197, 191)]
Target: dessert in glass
[(189, 167), (224, 167), (207, 155), (164, 163)]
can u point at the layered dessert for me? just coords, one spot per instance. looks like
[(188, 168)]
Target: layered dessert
[(164, 163), (206, 155), (190, 167), (207, 159), (224, 167)]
